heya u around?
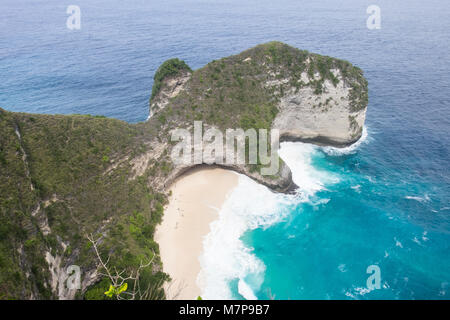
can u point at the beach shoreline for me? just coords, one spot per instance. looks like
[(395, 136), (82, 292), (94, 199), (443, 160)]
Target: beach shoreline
[(195, 202)]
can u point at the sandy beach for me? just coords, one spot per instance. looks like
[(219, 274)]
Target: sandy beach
[(194, 204)]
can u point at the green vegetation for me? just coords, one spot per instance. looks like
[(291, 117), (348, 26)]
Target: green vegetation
[(97, 291), (359, 97), (67, 164), (116, 291), (234, 92), (242, 91), (169, 68), (76, 174)]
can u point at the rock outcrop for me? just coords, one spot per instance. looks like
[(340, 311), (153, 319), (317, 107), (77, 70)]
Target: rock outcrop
[(307, 97), (170, 89), (169, 80), (327, 118)]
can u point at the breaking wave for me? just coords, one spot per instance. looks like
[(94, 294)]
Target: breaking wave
[(250, 205)]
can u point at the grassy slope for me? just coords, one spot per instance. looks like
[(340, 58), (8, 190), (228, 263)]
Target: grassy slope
[(67, 156)]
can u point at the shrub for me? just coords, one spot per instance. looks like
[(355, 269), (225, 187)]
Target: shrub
[(169, 68)]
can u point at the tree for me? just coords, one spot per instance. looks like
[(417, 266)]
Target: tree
[(119, 287)]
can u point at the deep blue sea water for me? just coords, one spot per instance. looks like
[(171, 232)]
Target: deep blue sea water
[(384, 203)]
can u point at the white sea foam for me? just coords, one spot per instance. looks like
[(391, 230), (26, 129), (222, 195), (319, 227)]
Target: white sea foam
[(225, 257), (363, 290), (425, 198), (249, 206), (342, 267), (298, 157), (245, 290), (333, 151), (416, 241), (356, 292), (398, 243)]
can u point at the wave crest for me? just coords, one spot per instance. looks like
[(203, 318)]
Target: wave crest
[(249, 206), (333, 151)]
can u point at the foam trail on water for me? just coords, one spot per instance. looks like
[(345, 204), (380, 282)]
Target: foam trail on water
[(298, 156), (245, 290), (225, 257), (333, 151), (425, 198), (249, 206)]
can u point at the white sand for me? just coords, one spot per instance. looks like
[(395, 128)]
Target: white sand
[(194, 204)]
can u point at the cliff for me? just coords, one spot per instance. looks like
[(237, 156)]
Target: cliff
[(306, 96), (64, 177)]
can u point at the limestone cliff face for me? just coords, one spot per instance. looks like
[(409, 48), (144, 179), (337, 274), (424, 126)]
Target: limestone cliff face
[(281, 182), (169, 80), (327, 118), (171, 87)]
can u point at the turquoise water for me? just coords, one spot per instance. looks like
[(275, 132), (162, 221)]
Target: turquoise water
[(383, 203), (348, 214), (385, 217)]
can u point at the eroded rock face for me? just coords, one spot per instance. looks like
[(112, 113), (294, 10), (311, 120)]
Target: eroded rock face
[(170, 89), (279, 182), (59, 276), (325, 119)]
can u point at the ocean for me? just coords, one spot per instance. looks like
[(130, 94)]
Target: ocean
[(383, 202)]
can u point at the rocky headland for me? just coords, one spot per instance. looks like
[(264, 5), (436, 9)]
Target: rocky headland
[(64, 177)]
